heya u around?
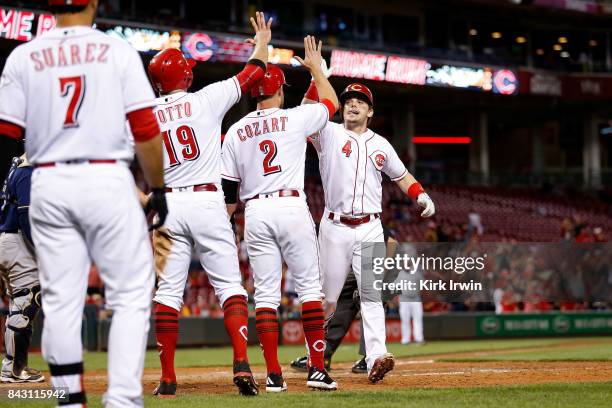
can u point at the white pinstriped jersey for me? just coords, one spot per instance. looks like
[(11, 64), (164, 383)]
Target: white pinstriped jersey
[(71, 89), (191, 129), (266, 150), (351, 167)]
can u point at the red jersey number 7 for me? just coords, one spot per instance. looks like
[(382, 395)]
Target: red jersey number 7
[(74, 88)]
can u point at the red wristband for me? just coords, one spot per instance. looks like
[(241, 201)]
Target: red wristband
[(414, 190), (312, 93), (330, 107)]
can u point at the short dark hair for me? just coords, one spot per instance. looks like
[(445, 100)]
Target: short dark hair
[(67, 9)]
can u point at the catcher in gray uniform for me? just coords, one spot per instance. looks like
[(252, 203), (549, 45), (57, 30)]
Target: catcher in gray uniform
[(19, 272)]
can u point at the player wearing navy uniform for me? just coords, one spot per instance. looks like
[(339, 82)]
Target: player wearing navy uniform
[(19, 271)]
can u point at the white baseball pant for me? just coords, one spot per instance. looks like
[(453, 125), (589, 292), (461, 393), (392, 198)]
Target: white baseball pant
[(81, 213), (277, 229), (414, 310), (341, 250), (196, 221)]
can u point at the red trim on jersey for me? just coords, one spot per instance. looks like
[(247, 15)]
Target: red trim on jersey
[(11, 130), (250, 75), (330, 107), (312, 93), (414, 190), (143, 124)]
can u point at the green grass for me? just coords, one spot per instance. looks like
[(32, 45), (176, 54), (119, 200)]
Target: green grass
[(599, 352), (536, 396), (221, 356)]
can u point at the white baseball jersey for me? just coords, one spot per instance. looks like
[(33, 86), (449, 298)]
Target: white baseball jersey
[(191, 129), (79, 85), (266, 150), (351, 166)]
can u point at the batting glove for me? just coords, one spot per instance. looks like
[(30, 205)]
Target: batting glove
[(327, 71), (426, 202), (157, 204)]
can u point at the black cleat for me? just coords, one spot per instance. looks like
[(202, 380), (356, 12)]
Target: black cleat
[(165, 389), (360, 367), (320, 380), (382, 366), (244, 380), (300, 363), (275, 383)]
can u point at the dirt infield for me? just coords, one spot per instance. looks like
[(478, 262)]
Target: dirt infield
[(417, 372), (427, 371)]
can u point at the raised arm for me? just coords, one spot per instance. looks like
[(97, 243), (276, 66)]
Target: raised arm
[(311, 95), (312, 62), (255, 68)]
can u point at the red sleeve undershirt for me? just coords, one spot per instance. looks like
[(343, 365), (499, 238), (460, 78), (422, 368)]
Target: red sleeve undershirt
[(143, 124), (11, 130), (250, 75), (312, 93)]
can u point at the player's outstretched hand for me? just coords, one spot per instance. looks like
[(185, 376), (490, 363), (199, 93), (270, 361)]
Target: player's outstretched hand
[(426, 202), (157, 204), (263, 30), (312, 54)]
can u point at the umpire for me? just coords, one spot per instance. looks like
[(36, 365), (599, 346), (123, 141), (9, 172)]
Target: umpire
[(19, 272), (347, 309)]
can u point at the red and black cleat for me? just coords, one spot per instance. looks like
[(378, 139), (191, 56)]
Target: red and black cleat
[(244, 380), (165, 389), (382, 366)]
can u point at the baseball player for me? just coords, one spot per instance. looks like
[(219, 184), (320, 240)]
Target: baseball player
[(352, 159), (264, 153), (19, 271), (347, 309), (191, 129), (71, 89), (410, 304)]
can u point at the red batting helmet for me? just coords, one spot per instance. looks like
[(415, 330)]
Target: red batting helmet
[(357, 89), (169, 71), (68, 2), (272, 81)]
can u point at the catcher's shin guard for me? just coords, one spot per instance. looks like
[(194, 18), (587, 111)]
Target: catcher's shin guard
[(23, 308)]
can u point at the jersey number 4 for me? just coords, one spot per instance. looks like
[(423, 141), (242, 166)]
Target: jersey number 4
[(346, 149), (269, 148), (186, 138), (73, 87)]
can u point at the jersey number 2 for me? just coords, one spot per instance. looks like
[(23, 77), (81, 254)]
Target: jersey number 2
[(269, 148), (186, 138), (73, 87)]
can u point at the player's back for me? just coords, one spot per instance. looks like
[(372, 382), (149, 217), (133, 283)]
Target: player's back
[(191, 129), (71, 89), (266, 150)]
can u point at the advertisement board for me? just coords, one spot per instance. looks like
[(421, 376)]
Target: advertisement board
[(544, 324)]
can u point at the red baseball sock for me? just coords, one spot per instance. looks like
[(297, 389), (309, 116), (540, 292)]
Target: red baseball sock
[(267, 331), (313, 319), (166, 333), (236, 319)]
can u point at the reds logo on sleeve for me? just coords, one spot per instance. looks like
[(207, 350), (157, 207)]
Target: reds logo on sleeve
[(378, 158)]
